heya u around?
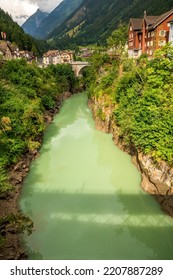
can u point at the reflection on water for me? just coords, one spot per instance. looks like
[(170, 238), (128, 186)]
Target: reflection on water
[(84, 197)]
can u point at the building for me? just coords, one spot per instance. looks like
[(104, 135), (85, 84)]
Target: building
[(171, 33), (149, 33), (7, 50), (57, 57), (10, 51)]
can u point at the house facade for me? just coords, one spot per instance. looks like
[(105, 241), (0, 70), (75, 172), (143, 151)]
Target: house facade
[(149, 33), (57, 57), (171, 33)]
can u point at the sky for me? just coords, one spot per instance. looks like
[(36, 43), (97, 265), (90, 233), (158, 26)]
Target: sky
[(20, 10)]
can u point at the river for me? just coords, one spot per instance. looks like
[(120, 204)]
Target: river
[(84, 196)]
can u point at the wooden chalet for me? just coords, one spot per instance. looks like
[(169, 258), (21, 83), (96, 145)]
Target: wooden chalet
[(149, 33)]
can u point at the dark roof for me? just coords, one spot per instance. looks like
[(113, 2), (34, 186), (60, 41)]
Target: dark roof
[(150, 20), (162, 18), (136, 23)]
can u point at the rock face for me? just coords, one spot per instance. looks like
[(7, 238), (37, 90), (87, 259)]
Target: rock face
[(157, 178), (33, 22)]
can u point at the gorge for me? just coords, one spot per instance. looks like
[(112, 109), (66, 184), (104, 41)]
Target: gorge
[(84, 196)]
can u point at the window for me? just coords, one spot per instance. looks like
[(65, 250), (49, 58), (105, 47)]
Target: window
[(162, 33), (149, 34), (162, 43), (151, 43), (151, 52), (152, 34), (130, 28)]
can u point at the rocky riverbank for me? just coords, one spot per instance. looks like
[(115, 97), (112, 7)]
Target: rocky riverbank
[(157, 178), (12, 221)]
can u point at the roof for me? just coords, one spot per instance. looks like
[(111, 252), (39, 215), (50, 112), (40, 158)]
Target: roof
[(56, 52), (150, 20), (136, 23), (154, 21), (162, 18)]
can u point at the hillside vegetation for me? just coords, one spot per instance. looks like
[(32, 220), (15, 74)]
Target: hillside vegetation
[(26, 92), (94, 21), (15, 34), (56, 17), (141, 95)]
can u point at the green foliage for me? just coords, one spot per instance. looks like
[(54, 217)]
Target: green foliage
[(96, 20), (4, 183), (18, 222), (26, 91), (118, 37), (100, 114), (16, 35), (143, 101)]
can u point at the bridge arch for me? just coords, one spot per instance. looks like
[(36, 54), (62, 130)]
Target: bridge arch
[(81, 69), (78, 66)]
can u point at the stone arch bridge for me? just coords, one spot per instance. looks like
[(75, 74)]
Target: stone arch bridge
[(78, 66)]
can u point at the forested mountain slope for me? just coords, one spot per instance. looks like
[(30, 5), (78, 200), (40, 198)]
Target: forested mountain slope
[(56, 17), (15, 34), (93, 21)]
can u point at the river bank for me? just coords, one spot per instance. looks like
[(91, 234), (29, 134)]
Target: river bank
[(156, 178), (10, 228), (83, 195)]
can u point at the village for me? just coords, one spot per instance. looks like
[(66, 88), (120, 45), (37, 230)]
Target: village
[(145, 35)]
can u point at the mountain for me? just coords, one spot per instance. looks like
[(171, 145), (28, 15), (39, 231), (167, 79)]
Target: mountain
[(34, 21), (56, 17), (93, 21), (15, 34)]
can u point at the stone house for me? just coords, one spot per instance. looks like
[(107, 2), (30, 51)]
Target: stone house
[(149, 33)]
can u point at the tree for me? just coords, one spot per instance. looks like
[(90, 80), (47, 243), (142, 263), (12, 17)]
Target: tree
[(118, 38)]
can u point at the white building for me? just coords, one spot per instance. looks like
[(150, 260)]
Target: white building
[(57, 57)]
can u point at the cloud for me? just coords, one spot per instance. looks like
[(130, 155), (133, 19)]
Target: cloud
[(20, 10), (46, 5)]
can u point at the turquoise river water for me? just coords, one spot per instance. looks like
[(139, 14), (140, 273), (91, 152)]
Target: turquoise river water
[(84, 196)]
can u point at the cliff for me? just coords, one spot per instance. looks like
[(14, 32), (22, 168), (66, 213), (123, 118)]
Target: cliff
[(157, 178)]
